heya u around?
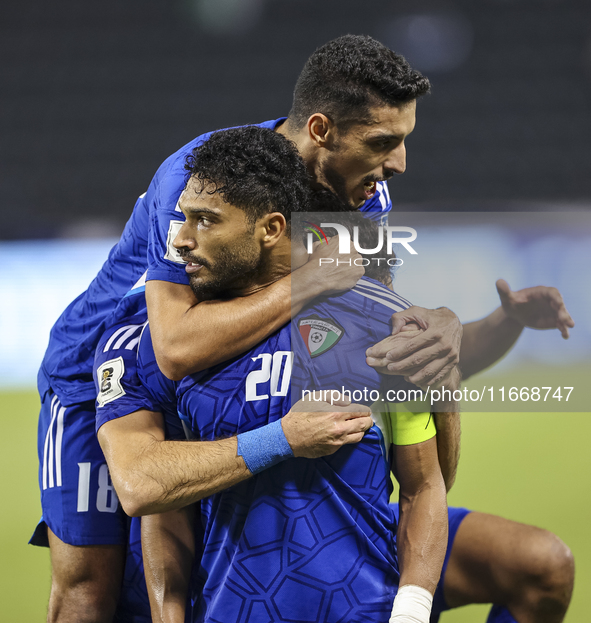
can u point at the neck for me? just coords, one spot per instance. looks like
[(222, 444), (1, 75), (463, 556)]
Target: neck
[(275, 266)]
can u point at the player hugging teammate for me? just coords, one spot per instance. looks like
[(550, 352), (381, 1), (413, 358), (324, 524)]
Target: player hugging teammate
[(279, 533)]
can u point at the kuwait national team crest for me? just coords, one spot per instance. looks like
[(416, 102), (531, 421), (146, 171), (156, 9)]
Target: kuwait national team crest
[(319, 334)]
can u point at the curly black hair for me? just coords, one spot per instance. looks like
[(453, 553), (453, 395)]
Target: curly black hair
[(346, 76), (254, 169)]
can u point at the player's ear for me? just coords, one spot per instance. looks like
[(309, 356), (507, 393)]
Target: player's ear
[(274, 227), (320, 130)]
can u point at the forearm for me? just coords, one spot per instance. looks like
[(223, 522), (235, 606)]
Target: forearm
[(167, 475), (422, 535), (154, 475), (485, 341), (190, 336), (168, 548), (448, 444)]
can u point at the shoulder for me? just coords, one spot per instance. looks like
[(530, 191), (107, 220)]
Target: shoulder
[(369, 299), (116, 357), (379, 296)]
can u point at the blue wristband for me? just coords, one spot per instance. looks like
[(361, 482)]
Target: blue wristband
[(264, 447)]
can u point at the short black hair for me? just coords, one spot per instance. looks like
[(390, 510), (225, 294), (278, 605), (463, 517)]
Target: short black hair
[(346, 76), (254, 169)]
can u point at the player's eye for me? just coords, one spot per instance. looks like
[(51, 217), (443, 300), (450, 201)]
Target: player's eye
[(381, 144)]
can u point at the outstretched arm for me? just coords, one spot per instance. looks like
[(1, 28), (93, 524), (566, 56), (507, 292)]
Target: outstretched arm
[(486, 341), (154, 475), (189, 336), (428, 358), (168, 548)]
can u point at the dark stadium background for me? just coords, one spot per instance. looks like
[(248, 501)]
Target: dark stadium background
[(94, 95)]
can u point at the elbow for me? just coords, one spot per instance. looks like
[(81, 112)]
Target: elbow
[(136, 506), (172, 368), (177, 363), (136, 497), (132, 508)]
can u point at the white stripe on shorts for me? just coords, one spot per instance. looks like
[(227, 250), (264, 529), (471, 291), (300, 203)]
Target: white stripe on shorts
[(58, 446)]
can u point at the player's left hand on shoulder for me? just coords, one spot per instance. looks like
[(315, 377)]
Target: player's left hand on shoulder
[(424, 356), (541, 307)]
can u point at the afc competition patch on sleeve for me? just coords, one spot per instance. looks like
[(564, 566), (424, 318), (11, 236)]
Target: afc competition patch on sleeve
[(173, 254), (109, 376)]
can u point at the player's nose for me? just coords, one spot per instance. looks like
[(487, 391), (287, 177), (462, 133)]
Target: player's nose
[(396, 161), (183, 239)]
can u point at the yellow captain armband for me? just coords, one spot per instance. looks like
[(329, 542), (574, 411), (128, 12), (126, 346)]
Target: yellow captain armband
[(404, 424), (409, 427)]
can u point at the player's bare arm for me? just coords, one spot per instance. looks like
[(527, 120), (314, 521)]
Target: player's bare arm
[(486, 341), (428, 358), (422, 529), (446, 415), (154, 475), (448, 426), (189, 336), (168, 548)]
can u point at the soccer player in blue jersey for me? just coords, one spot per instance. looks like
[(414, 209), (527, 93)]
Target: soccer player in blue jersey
[(140, 499), (242, 249), (348, 143)]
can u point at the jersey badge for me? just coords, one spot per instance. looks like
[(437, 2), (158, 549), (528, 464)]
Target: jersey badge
[(109, 376), (320, 334), (172, 253)]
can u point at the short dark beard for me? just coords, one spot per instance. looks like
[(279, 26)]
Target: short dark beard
[(338, 186), (324, 200), (233, 270)]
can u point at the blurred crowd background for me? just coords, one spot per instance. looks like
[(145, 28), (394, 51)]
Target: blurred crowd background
[(96, 94)]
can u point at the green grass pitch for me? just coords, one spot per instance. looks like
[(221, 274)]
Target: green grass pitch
[(527, 467)]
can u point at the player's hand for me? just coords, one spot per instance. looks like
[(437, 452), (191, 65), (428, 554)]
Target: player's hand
[(314, 429), (539, 308), (425, 358), (328, 271)]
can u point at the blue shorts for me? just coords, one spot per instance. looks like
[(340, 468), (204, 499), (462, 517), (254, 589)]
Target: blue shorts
[(455, 517), (78, 500)]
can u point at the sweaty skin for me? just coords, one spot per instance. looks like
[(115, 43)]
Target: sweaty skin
[(423, 499), (426, 359), (153, 475), (371, 151)]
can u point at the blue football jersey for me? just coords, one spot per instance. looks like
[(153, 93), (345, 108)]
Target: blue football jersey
[(127, 377), (305, 540), (145, 245)]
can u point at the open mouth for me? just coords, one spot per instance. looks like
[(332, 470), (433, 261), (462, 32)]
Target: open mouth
[(369, 188)]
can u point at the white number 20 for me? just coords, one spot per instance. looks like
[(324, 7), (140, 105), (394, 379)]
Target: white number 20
[(272, 370)]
